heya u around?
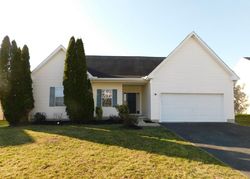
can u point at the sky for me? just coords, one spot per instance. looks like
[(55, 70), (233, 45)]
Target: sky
[(127, 27)]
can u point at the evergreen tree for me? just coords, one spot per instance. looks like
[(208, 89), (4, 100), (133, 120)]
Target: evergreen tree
[(69, 81), (27, 95), (82, 79), (14, 112), (76, 86), (90, 101), (16, 84), (4, 73)]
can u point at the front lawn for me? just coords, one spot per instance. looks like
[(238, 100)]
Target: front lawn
[(243, 119), (102, 151)]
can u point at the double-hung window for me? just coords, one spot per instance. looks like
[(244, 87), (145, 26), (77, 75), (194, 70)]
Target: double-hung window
[(106, 97)]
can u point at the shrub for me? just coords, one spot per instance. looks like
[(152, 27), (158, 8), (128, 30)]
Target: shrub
[(39, 117), (123, 111), (128, 120), (98, 113)]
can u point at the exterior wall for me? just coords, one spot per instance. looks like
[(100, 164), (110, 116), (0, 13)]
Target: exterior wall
[(51, 75), (146, 100), (242, 69), (107, 111), (191, 70), (48, 76)]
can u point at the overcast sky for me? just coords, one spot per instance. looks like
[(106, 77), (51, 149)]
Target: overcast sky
[(127, 27)]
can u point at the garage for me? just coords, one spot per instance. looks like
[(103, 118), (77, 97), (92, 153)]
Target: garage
[(192, 108)]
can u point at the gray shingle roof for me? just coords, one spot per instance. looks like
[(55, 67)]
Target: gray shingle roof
[(122, 66)]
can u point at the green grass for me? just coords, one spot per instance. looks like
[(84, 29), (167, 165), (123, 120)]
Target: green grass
[(243, 119), (102, 151)]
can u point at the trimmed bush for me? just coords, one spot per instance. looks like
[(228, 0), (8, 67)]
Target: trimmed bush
[(98, 113)]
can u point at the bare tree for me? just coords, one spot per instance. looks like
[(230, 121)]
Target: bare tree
[(240, 99)]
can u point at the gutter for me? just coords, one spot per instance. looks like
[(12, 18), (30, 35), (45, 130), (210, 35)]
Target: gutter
[(142, 80)]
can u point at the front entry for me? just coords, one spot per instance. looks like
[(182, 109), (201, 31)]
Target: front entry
[(131, 102)]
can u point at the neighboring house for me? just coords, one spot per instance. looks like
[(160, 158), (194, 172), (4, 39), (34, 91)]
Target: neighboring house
[(242, 68), (192, 84)]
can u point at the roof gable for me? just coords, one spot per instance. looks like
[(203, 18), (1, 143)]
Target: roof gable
[(206, 47), (50, 57), (44, 62)]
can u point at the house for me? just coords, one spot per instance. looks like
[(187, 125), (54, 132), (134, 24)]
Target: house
[(191, 84), (242, 68)]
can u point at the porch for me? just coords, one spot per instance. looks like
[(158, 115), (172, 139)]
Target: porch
[(134, 94), (132, 97)]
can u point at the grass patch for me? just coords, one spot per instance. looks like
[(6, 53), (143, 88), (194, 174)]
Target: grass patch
[(102, 151), (243, 119)]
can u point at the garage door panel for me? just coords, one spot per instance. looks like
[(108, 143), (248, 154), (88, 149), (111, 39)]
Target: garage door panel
[(192, 108)]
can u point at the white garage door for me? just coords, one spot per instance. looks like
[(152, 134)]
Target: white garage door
[(192, 108)]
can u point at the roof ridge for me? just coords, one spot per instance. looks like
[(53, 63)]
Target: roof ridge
[(126, 56)]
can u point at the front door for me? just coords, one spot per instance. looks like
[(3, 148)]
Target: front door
[(131, 101)]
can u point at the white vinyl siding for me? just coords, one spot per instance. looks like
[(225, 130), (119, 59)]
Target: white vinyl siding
[(191, 69), (50, 75)]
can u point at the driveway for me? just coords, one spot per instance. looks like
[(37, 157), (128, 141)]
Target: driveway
[(228, 142)]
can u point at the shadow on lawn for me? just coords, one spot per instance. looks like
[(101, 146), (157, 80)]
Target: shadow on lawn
[(11, 136), (151, 140)]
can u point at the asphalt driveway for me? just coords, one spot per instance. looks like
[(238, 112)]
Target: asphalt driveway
[(228, 142)]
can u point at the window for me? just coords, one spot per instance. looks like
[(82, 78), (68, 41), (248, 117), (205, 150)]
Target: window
[(59, 97), (107, 98)]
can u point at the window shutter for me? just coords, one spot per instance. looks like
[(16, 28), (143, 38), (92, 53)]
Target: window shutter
[(52, 96), (114, 95), (98, 97)]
